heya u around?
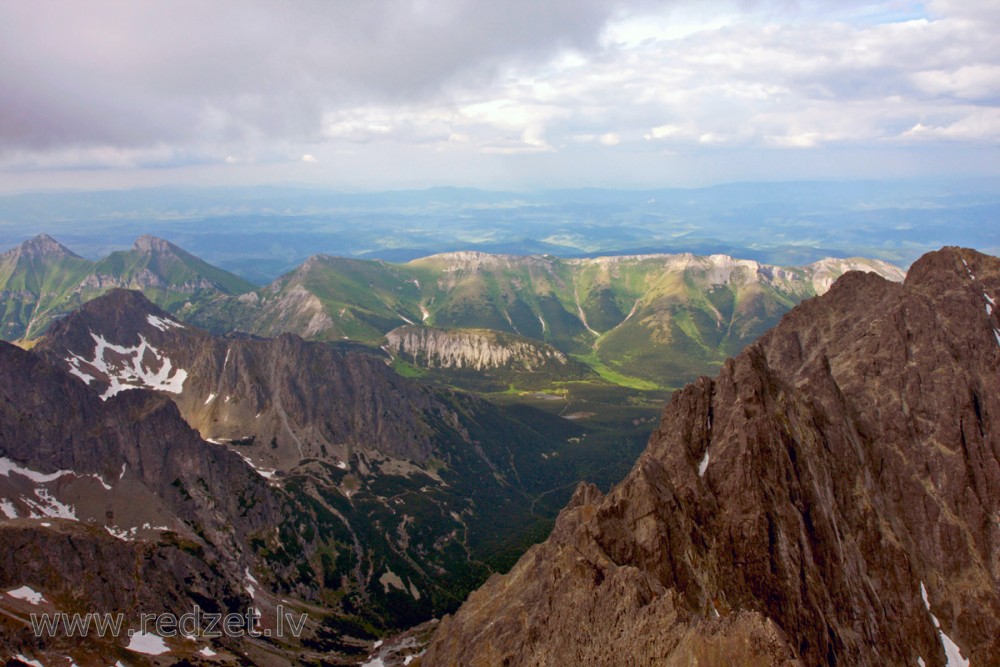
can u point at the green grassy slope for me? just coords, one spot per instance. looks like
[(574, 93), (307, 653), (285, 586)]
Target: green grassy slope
[(649, 322), (41, 280)]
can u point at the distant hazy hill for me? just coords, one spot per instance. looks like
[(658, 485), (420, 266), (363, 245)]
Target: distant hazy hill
[(41, 280), (262, 232)]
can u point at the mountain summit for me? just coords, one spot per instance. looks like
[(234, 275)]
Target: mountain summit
[(150, 243), (38, 247), (832, 497)]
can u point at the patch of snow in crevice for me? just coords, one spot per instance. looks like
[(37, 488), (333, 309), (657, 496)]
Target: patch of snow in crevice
[(74, 369), (266, 473), (130, 534), (131, 372), (27, 594), (33, 663), (124, 535), (953, 654), (342, 465), (251, 583), (207, 652), (50, 507), (162, 323), (121, 476), (703, 466), (7, 467), (226, 362), (8, 509), (211, 397), (142, 642)]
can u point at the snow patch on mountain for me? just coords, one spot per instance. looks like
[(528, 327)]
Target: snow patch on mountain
[(48, 506), (953, 654), (125, 367), (266, 473), (149, 644), (162, 323), (7, 467), (8, 509), (27, 594)]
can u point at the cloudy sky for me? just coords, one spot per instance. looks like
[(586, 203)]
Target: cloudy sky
[(372, 94)]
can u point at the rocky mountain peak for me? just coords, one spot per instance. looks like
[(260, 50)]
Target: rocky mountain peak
[(41, 246), (152, 244), (117, 304)]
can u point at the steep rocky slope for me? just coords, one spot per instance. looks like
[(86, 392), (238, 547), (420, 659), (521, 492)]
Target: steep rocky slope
[(832, 497)]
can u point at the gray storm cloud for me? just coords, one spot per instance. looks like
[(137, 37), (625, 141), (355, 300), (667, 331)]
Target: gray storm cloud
[(140, 73)]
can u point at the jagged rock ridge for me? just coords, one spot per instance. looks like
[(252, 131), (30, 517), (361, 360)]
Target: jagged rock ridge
[(832, 497)]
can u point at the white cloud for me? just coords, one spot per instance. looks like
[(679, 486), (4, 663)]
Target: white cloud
[(259, 84), (975, 125)]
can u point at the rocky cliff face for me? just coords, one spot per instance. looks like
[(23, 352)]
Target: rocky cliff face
[(478, 349), (832, 497)]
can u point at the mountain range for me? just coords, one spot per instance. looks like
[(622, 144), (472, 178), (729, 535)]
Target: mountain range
[(831, 497), (647, 322)]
